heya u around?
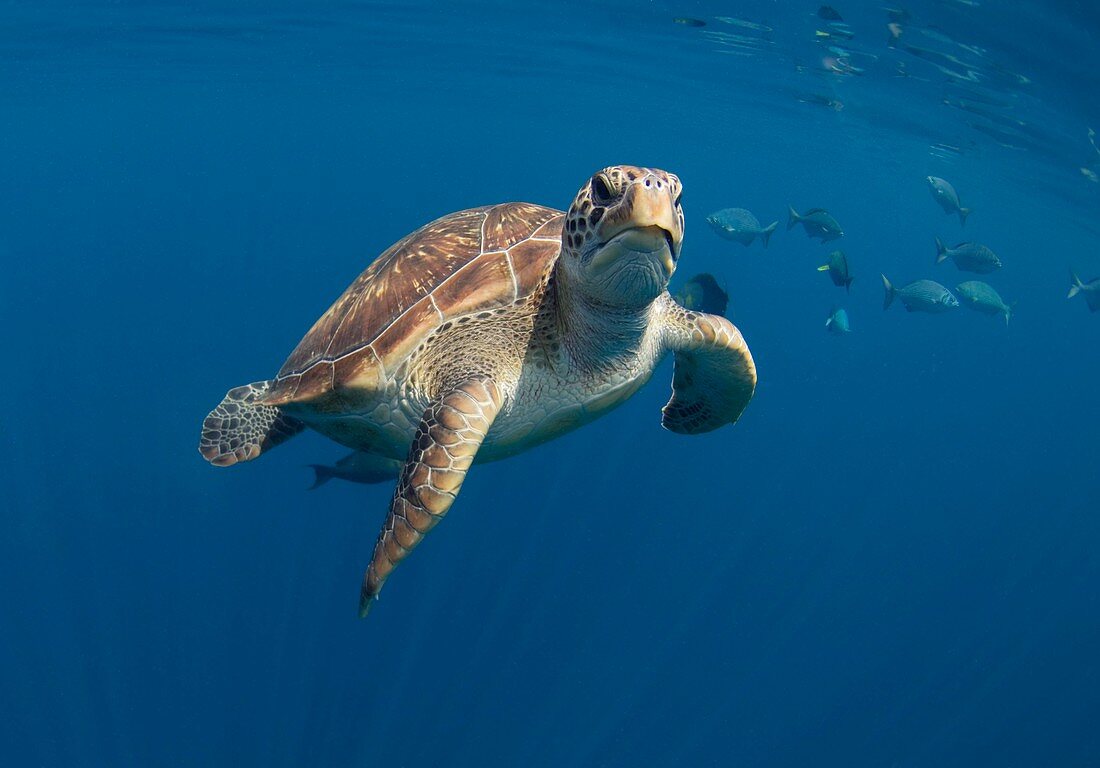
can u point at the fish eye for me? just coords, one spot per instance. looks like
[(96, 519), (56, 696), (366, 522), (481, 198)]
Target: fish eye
[(601, 190)]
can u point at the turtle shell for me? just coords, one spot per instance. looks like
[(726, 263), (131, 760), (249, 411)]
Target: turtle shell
[(464, 263)]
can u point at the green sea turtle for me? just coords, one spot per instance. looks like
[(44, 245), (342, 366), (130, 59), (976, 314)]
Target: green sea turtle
[(489, 331)]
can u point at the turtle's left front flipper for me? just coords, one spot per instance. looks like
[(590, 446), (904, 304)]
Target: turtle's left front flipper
[(450, 433), (715, 375)]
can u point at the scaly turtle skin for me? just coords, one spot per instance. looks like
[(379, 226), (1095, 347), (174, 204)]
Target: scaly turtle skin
[(489, 331)]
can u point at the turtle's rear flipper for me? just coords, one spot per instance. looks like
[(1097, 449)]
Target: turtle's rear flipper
[(715, 376), (446, 442), (240, 430)]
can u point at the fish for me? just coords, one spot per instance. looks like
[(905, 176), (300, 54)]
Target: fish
[(358, 467), (703, 294), (945, 194), (689, 22), (920, 296), (983, 298), (837, 267), (968, 257), (1091, 290), (837, 322), (817, 222), (740, 225)]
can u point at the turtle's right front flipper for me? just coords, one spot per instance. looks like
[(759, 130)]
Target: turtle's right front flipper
[(450, 433)]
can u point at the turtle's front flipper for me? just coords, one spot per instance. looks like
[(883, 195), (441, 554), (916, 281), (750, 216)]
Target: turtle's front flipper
[(242, 426), (449, 435), (715, 375)]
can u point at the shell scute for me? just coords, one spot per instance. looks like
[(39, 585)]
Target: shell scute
[(481, 284), (529, 264), (401, 336), (506, 225), (472, 261)]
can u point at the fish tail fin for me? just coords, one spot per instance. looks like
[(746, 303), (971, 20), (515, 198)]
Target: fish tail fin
[(848, 285), (941, 251), (766, 233), (792, 216), (1075, 285), (963, 213), (1008, 313), (889, 293), (321, 475)]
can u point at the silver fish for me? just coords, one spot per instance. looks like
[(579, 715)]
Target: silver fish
[(982, 297), (947, 197), (838, 322), (703, 294), (817, 222), (968, 257), (1091, 290), (740, 225), (837, 267), (358, 467), (920, 296)]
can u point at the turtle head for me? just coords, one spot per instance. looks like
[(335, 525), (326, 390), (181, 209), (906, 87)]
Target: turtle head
[(622, 235)]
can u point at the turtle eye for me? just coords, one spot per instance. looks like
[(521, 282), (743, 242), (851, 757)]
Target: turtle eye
[(601, 190)]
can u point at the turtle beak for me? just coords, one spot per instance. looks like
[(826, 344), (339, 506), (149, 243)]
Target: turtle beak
[(653, 241), (653, 207), (651, 226)]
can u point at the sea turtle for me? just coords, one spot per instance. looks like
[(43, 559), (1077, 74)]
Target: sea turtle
[(489, 331)]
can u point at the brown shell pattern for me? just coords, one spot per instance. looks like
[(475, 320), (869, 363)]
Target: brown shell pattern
[(470, 261)]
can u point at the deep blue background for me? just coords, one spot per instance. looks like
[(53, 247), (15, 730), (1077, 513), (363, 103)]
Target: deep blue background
[(893, 559)]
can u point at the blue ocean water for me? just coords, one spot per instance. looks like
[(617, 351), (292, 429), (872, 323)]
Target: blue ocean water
[(893, 559)]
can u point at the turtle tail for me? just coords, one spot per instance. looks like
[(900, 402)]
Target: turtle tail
[(241, 427)]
